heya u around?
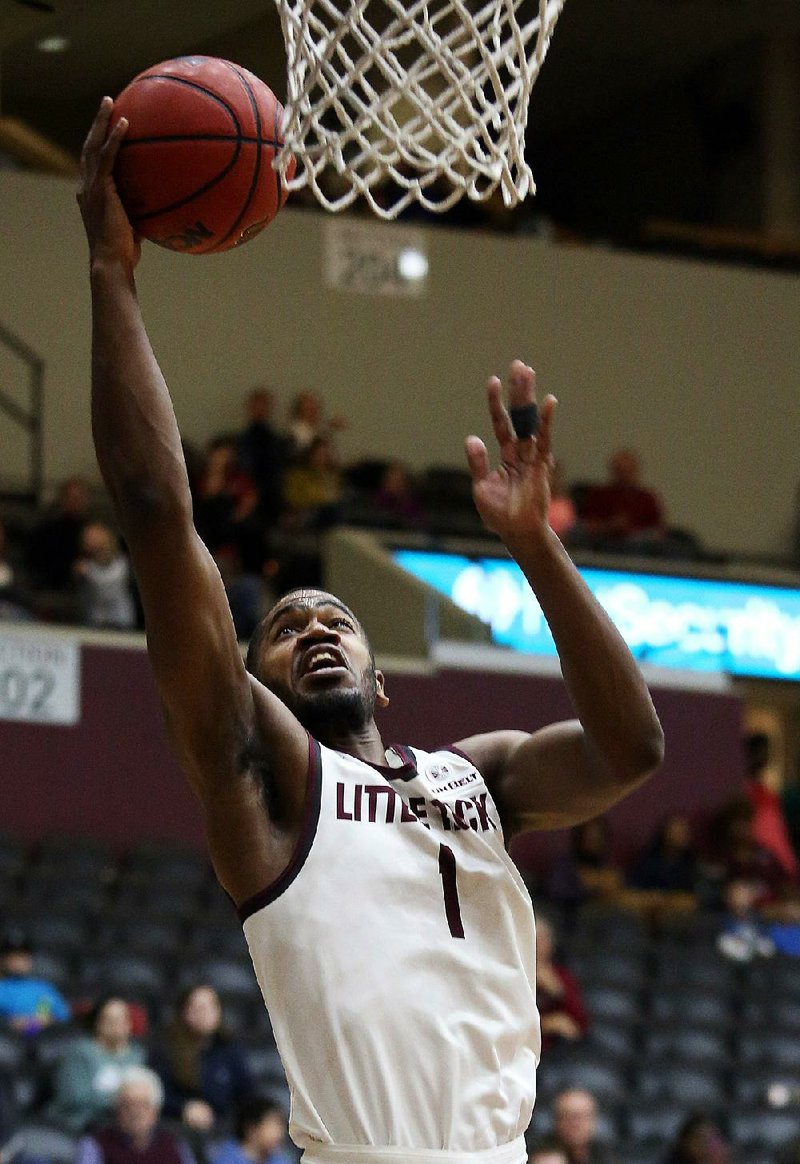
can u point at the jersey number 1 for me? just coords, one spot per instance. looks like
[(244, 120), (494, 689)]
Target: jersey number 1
[(447, 869)]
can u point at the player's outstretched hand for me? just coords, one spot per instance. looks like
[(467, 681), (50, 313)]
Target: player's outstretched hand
[(108, 230), (514, 498)]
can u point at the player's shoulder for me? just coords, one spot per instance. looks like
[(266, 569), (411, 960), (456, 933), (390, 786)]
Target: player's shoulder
[(489, 751)]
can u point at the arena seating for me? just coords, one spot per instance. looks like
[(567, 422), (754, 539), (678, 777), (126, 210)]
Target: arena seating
[(675, 1027)]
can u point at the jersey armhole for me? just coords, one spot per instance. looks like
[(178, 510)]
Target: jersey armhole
[(305, 840)]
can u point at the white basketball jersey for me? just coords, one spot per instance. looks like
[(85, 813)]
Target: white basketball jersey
[(396, 956)]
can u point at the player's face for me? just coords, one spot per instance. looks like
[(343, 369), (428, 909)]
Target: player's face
[(316, 657)]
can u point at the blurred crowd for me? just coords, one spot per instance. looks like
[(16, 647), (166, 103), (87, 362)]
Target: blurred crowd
[(264, 497), (169, 1083)]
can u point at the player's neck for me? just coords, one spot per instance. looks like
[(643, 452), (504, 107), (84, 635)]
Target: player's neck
[(363, 743)]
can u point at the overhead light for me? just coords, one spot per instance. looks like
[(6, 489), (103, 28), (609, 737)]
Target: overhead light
[(52, 44), (412, 264)]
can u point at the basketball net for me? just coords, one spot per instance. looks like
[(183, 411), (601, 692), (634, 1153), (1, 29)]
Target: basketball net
[(424, 101)]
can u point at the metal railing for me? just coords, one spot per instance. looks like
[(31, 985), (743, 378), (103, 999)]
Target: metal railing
[(31, 418)]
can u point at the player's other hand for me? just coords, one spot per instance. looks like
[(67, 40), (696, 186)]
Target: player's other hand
[(514, 498), (110, 234)]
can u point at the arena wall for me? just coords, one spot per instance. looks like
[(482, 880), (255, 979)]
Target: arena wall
[(694, 364)]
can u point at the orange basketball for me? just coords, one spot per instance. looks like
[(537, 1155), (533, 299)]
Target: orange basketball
[(194, 171)]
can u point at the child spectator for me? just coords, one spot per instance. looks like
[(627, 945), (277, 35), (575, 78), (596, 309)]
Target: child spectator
[(27, 1004), (561, 1008), (744, 935), (204, 1072), (104, 580), (89, 1074), (259, 1136)]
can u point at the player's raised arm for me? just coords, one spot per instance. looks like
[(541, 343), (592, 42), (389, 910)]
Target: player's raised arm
[(221, 722), (571, 771)]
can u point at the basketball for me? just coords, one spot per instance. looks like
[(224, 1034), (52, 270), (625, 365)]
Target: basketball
[(194, 171)]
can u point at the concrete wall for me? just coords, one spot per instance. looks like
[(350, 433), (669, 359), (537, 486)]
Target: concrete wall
[(696, 365)]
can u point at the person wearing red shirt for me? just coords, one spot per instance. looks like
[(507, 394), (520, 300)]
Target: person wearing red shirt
[(623, 510), (558, 995)]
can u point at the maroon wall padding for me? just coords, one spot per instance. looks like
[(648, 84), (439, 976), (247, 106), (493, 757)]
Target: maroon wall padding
[(112, 776)]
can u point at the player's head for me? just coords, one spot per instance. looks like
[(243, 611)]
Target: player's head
[(312, 651)]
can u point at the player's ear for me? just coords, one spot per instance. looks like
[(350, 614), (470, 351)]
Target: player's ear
[(381, 698)]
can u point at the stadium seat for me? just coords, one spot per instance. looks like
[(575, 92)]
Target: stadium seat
[(609, 967), (608, 1123), (264, 1063), (641, 1154), (231, 978), (685, 1006), (695, 970), (13, 1051), (699, 929), (75, 857), (41, 1141), (608, 1082), (612, 1002), (611, 927), (49, 1045), (617, 1041), (778, 1011), (58, 934), (751, 1086), (680, 1083), (53, 968), (132, 976), (13, 857), (225, 941), (145, 936), (686, 1042), (779, 1049), (651, 1122), (763, 1128)]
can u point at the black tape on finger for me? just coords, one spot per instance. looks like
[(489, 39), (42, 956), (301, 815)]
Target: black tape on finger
[(525, 420)]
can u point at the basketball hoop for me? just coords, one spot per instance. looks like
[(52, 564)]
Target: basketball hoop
[(424, 101)]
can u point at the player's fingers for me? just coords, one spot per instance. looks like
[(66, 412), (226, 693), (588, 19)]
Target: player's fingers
[(501, 421), (98, 131), (521, 385), (477, 458), (108, 154), (544, 437)]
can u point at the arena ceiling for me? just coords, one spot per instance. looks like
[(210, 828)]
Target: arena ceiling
[(606, 53)]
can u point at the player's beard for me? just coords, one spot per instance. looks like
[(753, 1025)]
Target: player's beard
[(336, 710)]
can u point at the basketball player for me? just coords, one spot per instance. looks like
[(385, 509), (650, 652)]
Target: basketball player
[(391, 934)]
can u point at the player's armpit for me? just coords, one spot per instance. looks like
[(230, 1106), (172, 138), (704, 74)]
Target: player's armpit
[(551, 779)]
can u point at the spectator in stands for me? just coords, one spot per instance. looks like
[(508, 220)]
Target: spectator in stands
[(623, 513), (88, 1075), (669, 863), (562, 514), (699, 1141), (588, 869), (104, 580), (204, 1072), (547, 1151), (260, 1131), (396, 499), (262, 453), (769, 822), (744, 936), (313, 488), (135, 1136), (575, 1128), (736, 855), (306, 424), (226, 496), (55, 544), (13, 600), (561, 1007), (27, 1004)]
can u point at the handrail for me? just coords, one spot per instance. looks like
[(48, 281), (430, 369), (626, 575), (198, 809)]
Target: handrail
[(30, 419)]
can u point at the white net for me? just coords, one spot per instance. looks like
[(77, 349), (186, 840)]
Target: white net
[(423, 101)]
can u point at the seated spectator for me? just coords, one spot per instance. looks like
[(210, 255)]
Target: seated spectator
[(135, 1136), (669, 863), (744, 935), (204, 1072), (396, 498), (88, 1075), (27, 1004), (104, 580), (575, 1128), (587, 870), (770, 829), (623, 513), (313, 488), (561, 514), (306, 424), (14, 602), (547, 1151), (735, 854), (699, 1141), (260, 1131), (558, 996), (55, 544), (262, 453)]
